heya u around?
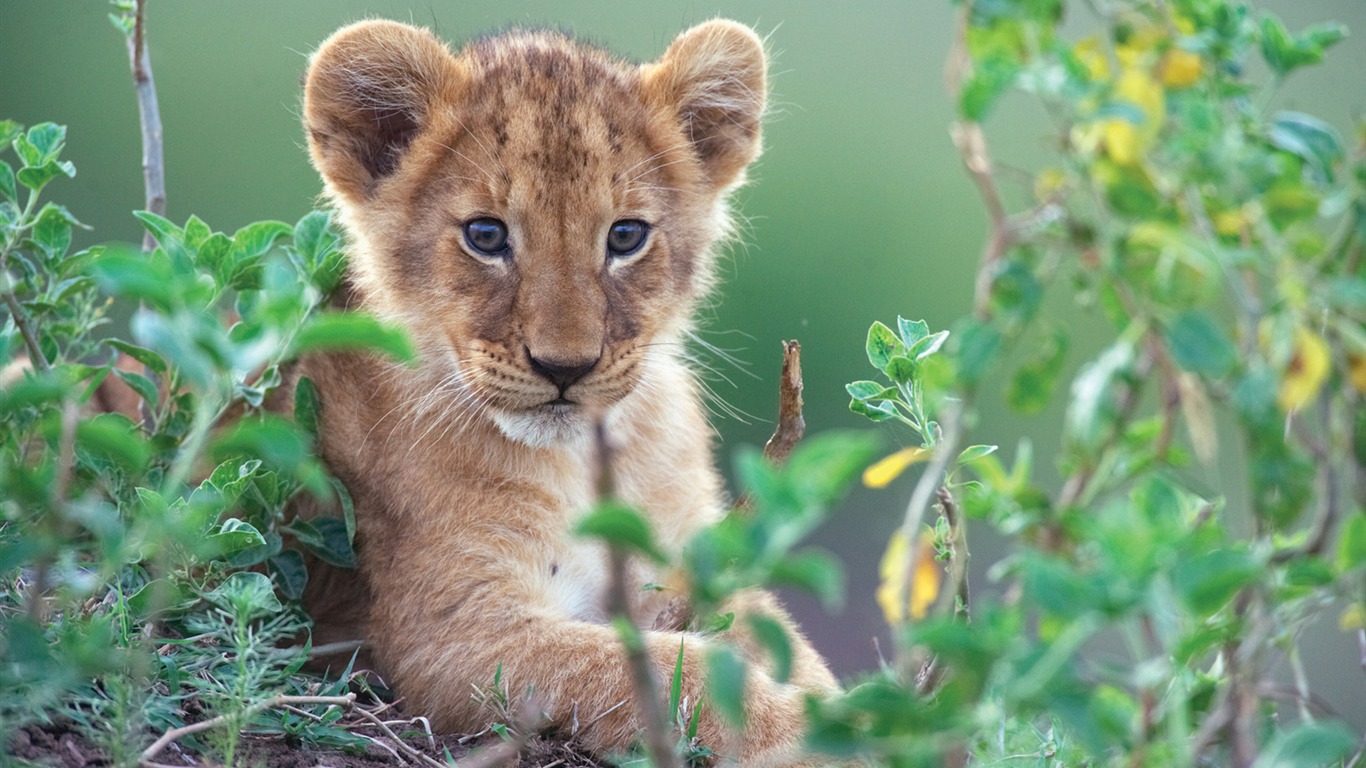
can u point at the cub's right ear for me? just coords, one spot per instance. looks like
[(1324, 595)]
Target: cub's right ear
[(369, 92)]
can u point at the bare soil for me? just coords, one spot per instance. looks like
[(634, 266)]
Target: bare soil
[(58, 746)]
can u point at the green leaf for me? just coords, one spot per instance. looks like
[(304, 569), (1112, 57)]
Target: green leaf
[(37, 177), (145, 387), (307, 406), (136, 277), (822, 467), (52, 232), (874, 411), (862, 390), (883, 345), (1059, 588), (978, 346), (676, 683), (773, 638), (170, 237), (233, 537), (196, 231), (325, 537), (1317, 142), (620, 526), (902, 370), (348, 507), (991, 76), (815, 572), (32, 389), (1285, 53), (974, 452), (1093, 403), (314, 237), (1352, 543), (927, 346), (158, 597), (147, 357), (7, 188), (113, 436), (9, 131), (726, 674), (1206, 581), (353, 330), (278, 443), (247, 595), (46, 141), (291, 575), (249, 244), (1309, 744), (1031, 389), (1199, 345), (912, 331)]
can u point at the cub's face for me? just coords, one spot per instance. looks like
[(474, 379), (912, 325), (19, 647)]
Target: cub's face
[(539, 215)]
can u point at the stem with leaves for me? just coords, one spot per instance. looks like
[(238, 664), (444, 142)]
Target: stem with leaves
[(658, 740)]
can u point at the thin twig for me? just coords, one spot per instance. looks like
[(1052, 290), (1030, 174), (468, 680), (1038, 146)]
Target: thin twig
[(658, 740), (791, 423), (925, 488), (21, 320), (411, 752), (149, 113), (174, 734)]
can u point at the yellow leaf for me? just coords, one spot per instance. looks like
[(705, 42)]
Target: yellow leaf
[(1089, 52), (1356, 367), (1121, 141), (1305, 374), (1354, 617), (1048, 183), (927, 579), (892, 572), (1140, 43), (887, 469), (1181, 68), (1139, 88), (1230, 223), (925, 582)]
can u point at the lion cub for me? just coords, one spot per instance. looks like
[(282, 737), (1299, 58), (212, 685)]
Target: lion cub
[(541, 217)]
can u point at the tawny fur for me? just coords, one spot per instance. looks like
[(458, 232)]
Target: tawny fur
[(466, 483)]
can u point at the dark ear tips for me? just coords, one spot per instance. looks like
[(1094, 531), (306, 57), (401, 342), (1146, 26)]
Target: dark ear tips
[(367, 95), (715, 75)]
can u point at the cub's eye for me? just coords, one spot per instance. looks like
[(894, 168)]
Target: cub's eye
[(487, 236), (626, 237)]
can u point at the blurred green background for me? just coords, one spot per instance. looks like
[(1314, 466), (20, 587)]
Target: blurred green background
[(859, 209)]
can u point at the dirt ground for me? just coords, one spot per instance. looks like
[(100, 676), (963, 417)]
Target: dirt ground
[(59, 747)]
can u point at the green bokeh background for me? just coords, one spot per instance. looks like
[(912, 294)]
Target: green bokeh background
[(859, 209)]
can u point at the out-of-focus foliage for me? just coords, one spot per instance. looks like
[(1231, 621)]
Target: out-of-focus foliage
[(1150, 616)]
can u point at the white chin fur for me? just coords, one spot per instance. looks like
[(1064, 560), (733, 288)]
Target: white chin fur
[(544, 428)]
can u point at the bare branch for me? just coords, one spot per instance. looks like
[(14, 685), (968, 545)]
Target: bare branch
[(791, 423), (149, 114)]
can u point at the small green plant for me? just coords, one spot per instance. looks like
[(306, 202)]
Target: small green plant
[(125, 598)]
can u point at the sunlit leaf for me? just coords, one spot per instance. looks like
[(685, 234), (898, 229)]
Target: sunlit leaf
[(889, 468)]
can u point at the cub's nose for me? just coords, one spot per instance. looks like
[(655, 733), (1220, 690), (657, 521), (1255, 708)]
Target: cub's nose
[(561, 373)]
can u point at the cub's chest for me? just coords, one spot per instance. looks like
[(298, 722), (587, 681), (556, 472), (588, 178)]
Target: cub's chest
[(574, 580)]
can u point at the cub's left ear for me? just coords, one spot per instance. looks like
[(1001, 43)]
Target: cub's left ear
[(714, 77)]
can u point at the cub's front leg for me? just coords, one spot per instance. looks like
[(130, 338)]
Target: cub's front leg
[(438, 642)]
